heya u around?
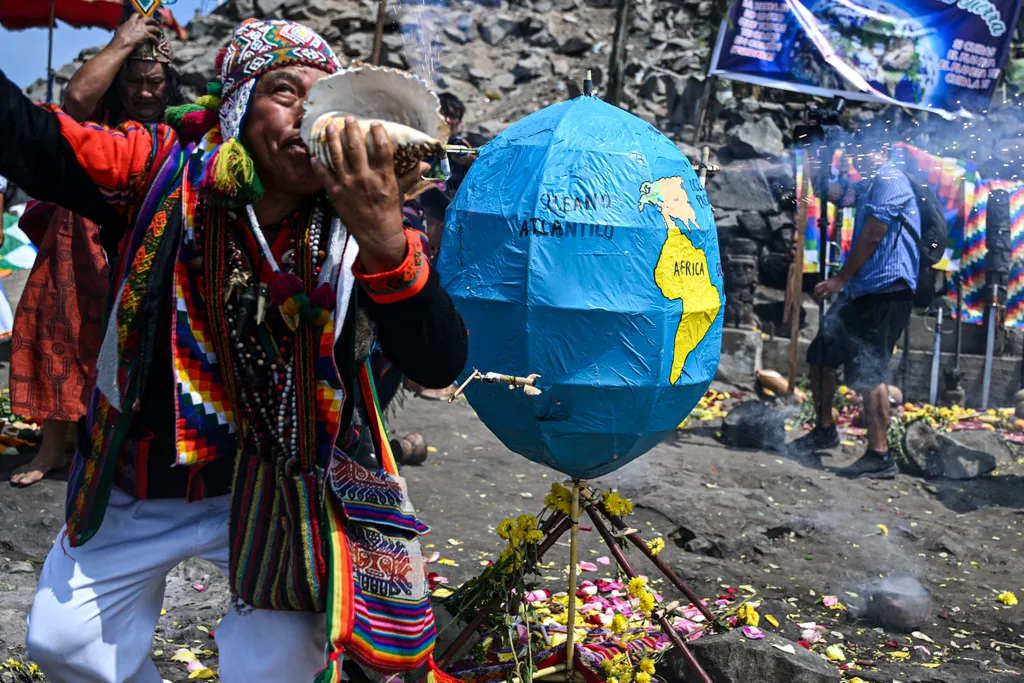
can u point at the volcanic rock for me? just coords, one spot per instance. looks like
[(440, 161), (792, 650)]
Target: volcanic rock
[(494, 29), (900, 604), (733, 658), (755, 225), (741, 187), (932, 454), (532, 67), (577, 46), (754, 425), (754, 138)]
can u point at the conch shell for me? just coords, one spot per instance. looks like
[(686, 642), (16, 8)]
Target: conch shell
[(402, 102)]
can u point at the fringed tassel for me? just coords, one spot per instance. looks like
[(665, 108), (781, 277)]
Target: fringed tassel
[(232, 173), (332, 672), (174, 115), (195, 125), (209, 102), (435, 675), (215, 88)]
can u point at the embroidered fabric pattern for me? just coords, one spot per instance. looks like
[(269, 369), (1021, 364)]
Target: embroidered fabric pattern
[(261, 46)]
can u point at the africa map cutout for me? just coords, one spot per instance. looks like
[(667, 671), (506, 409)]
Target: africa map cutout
[(682, 271)]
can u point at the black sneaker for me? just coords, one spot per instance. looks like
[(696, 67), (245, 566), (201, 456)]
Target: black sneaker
[(872, 465), (818, 439)]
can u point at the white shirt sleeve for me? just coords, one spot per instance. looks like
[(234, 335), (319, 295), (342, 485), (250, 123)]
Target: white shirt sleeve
[(3, 185)]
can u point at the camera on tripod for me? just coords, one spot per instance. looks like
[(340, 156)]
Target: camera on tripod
[(824, 125)]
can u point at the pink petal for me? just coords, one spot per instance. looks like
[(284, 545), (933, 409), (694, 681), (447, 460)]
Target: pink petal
[(199, 587), (722, 603), (195, 665), (538, 595), (588, 567), (752, 632), (830, 601), (434, 557), (603, 560)]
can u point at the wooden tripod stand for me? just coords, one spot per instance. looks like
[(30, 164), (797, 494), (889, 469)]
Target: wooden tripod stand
[(584, 500)]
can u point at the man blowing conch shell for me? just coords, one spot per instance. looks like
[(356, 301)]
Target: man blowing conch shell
[(246, 281)]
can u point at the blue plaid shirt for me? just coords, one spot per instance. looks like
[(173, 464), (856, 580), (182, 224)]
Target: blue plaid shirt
[(894, 265)]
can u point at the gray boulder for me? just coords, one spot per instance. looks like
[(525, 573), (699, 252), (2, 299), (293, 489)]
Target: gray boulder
[(742, 187), (754, 425), (733, 658), (756, 226), (756, 138), (494, 29), (932, 454)]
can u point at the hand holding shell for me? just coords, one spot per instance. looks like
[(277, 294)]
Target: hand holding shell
[(404, 105)]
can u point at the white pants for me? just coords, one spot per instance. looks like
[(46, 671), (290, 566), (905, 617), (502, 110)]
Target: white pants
[(94, 613)]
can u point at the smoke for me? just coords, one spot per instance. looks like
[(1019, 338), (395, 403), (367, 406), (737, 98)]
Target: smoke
[(993, 138), (877, 577), (420, 24)]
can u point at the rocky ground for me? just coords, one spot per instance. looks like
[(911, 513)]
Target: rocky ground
[(791, 532)]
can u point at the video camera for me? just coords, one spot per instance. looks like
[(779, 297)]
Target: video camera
[(824, 125)]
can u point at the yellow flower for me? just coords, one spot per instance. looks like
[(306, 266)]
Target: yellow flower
[(526, 522), (647, 665), (617, 506), (656, 545), (535, 536), (625, 677), (505, 528), (613, 679), (637, 586), (1007, 598), (884, 529), (835, 653), (606, 665), (647, 603), (619, 624), (559, 499), (748, 614), (643, 677)]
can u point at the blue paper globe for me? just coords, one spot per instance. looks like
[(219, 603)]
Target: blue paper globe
[(582, 247)]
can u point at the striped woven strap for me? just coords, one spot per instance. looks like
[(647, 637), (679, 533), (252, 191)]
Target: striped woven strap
[(380, 435), (340, 593)]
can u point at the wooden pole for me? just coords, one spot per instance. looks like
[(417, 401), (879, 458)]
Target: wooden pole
[(617, 60), (794, 292), (666, 626), (49, 55), (558, 528), (634, 538), (378, 37), (705, 102), (574, 554)]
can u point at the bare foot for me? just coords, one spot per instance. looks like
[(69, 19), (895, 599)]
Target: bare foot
[(49, 458), (437, 394), (58, 439)]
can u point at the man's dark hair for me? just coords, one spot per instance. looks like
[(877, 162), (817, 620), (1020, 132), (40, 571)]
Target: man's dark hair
[(112, 98), (451, 106)]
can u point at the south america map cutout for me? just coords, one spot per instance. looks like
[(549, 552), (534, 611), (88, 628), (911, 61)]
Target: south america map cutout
[(682, 272)]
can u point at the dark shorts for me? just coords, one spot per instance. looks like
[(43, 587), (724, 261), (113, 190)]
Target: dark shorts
[(860, 336)]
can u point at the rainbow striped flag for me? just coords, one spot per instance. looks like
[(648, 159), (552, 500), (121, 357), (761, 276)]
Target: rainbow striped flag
[(812, 232), (972, 272), (954, 183)]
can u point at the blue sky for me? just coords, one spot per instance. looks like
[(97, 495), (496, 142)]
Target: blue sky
[(23, 53)]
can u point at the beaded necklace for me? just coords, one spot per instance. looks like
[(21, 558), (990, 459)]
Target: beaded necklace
[(262, 360)]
